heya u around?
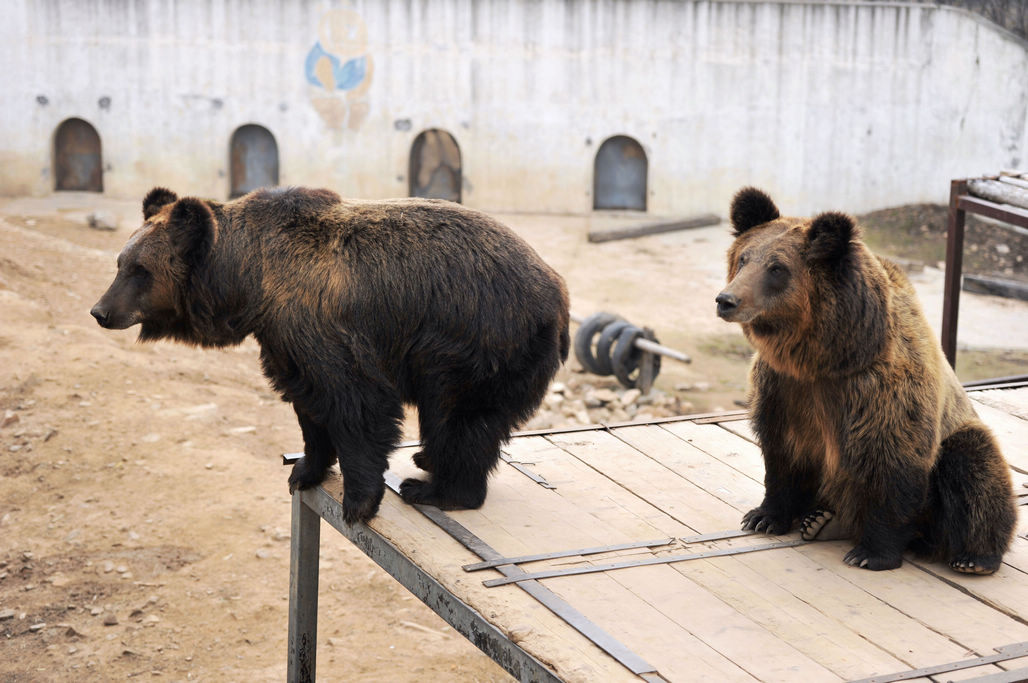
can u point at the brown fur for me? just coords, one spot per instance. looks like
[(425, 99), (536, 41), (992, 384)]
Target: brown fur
[(359, 307), (855, 407)]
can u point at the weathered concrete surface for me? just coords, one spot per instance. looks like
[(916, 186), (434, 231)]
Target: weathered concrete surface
[(851, 105)]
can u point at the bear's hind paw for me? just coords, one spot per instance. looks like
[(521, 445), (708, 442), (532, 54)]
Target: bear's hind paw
[(420, 492), (820, 525), (975, 564)]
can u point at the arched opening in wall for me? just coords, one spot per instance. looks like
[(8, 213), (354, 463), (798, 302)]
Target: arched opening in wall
[(78, 162), (619, 175), (253, 160), (435, 166)]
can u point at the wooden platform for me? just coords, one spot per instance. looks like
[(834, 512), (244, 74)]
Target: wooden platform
[(791, 612)]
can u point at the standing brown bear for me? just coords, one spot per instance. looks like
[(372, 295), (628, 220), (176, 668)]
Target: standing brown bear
[(359, 307), (863, 425)]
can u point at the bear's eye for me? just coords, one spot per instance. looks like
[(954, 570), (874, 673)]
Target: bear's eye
[(743, 259), (777, 269), (140, 273)]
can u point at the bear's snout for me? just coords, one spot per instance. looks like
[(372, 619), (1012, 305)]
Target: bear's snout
[(727, 304), (102, 316)]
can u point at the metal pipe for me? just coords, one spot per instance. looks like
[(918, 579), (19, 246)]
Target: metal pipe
[(647, 345)]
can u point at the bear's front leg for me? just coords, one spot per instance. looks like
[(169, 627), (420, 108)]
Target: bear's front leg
[(881, 547), (318, 455), (790, 491), (886, 495)]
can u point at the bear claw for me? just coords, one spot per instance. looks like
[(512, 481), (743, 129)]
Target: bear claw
[(304, 477), (760, 521), (863, 558), (969, 564), (820, 525)]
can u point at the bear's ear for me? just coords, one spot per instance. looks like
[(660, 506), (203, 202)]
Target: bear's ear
[(751, 207), (829, 236), (155, 200), (193, 229)]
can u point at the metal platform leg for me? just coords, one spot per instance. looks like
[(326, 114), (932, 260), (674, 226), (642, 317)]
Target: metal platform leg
[(954, 266), (305, 540)]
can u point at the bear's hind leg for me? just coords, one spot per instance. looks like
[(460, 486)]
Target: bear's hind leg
[(460, 453), (972, 513), (822, 525)]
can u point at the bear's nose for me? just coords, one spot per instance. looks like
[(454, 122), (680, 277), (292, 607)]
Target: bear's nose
[(101, 315), (726, 303)]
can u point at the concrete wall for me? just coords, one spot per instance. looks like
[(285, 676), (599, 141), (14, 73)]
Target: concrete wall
[(844, 105)]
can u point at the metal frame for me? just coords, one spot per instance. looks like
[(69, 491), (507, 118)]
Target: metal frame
[(313, 505), (961, 201), (1006, 652)]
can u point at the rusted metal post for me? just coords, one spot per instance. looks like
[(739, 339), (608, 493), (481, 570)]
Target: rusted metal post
[(954, 266), (304, 544)]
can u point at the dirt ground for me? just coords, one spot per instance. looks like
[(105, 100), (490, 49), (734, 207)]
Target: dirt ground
[(144, 513)]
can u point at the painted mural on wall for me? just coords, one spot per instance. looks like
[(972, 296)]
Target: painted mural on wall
[(339, 70)]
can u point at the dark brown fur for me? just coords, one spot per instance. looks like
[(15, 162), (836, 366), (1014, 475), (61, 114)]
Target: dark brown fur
[(359, 307), (854, 405)]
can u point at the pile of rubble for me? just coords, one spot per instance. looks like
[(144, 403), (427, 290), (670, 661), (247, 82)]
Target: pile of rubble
[(586, 399)]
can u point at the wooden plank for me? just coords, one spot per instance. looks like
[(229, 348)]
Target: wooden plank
[(698, 467), (1010, 431), (1011, 401), (747, 643), (627, 514), (655, 483), (683, 599), (914, 592), (595, 479), (663, 642), (527, 622), (818, 635), (629, 468), (741, 428), (660, 449), (727, 447), (830, 588)]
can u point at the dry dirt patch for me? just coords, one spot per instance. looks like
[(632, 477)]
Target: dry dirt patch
[(143, 510)]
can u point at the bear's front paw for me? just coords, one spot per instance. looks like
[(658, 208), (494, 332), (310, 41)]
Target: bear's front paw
[(864, 558), (763, 522), (305, 477)]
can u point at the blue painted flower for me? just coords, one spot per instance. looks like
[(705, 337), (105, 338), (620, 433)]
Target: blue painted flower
[(344, 75)]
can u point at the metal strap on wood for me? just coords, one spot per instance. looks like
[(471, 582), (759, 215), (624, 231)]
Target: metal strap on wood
[(545, 596), (581, 552), (1012, 651), (641, 562), (566, 553), (520, 467)]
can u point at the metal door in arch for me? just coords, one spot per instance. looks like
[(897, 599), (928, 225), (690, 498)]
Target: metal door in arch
[(78, 162), (435, 166), (253, 160), (619, 175)]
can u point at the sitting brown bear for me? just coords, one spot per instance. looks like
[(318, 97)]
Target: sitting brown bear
[(359, 307), (863, 425)]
